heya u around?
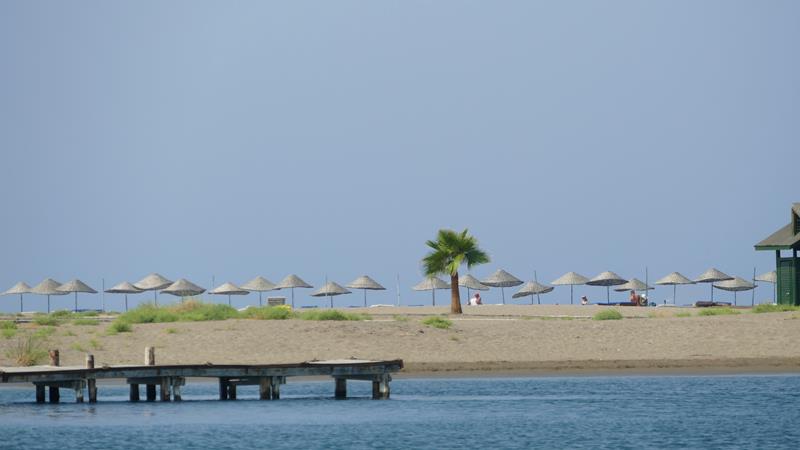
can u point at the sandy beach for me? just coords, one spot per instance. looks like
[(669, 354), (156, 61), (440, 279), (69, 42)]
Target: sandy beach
[(487, 339)]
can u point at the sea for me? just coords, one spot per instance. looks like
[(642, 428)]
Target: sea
[(620, 412)]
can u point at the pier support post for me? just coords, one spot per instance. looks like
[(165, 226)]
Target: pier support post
[(275, 387), (91, 383), (223, 388), (39, 393), (264, 391), (54, 395), (380, 387), (134, 392), (165, 385), (341, 388), (55, 360), (150, 360), (177, 382), (231, 391)]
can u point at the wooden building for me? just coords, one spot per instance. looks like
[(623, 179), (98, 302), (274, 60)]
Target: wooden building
[(786, 242)]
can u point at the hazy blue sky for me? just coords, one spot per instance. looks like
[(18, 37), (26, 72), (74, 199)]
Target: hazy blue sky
[(234, 139)]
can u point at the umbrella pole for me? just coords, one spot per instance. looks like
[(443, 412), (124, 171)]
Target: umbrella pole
[(76, 301), (674, 293), (126, 302), (48, 304), (292, 298), (365, 297), (229, 300), (20, 302), (608, 295), (503, 293), (433, 294), (753, 296), (260, 303), (330, 298), (712, 293), (538, 297)]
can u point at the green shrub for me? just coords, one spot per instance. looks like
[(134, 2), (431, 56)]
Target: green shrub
[(120, 326), (8, 333), (437, 322), (148, 313), (95, 344), (8, 325), (49, 320), (399, 318), (44, 332), (87, 314), (683, 314), (171, 330), (205, 311), (61, 314), (608, 314), (86, 322), (77, 347), (27, 351), (768, 308), (330, 314), (269, 313), (717, 311)]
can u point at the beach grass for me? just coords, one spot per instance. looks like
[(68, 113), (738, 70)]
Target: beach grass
[(283, 312), (95, 344), (119, 326), (27, 351), (45, 331), (400, 318), (82, 321), (608, 314), (683, 314), (8, 329), (171, 330), (437, 322), (768, 308), (52, 320), (331, 314), (77, 347), (717, 311)]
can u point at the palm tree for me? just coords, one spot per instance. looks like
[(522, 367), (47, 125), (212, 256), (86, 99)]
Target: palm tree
[(449, 251)]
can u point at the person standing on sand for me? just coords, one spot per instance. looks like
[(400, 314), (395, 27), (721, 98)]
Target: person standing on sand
[(584, 300), (475, 300)]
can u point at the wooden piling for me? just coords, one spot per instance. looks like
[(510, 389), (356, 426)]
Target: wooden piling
[(134, 396), (78, 392), (39, 393), (53, 394), (275, 387), (150, 360), (264, 391), (340, 391), (91, 383), (176, 388), (55, 359), (223, 388), (165, 385), (231, 391)]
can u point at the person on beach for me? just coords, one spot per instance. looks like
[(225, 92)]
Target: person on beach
[(475, 300), (634, 298), (584, 300)]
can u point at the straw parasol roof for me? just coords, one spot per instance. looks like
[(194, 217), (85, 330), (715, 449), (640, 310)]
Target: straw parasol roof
[(228, 289), (634, 284), (532, 288), (735, 285), (259, 284), (19, 288), (293, 281), (152, 282), (607, 279), (673, 279), (76, 286), (470, 282), (330, 289), (183, 288), (711, 276), (47, 287), (124, 288), (769, 277), (501, 279), (365, 283), (572, 279), (431, 284)]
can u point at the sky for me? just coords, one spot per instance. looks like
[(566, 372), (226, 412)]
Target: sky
[(218, 141)]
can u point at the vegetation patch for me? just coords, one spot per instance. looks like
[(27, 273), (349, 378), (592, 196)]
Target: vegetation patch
[(120, 326), (86, 322), (768, 308), (27, 351), (331, 314), (280, 312), (608, 314), (437, 322), (171, 330), (724, 311), (400, 318), (44, 332), (683, 314), (8, 333), (52, 320), (95, 344), (77, 347)]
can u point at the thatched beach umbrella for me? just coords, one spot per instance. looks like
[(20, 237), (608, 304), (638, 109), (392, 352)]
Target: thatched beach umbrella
[(259, 284), (153, 282), (124, 288), (712, 276), (501, 279), (532, 288), (674, 279), (769, 277), (293, 281), (183, 288), (76, 286), (470, 282), (228, 289), (607, 279), (735, 285), (634, 284), (20, 289), (431, 284), (366, 283), (330, 289), (572, 279), (47, 287)]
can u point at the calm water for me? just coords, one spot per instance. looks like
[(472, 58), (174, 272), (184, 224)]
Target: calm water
[(564, 412)]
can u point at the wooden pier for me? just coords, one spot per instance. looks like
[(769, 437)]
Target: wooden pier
[(168, 379)]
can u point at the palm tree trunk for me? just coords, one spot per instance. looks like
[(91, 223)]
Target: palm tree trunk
[(455, 295)]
